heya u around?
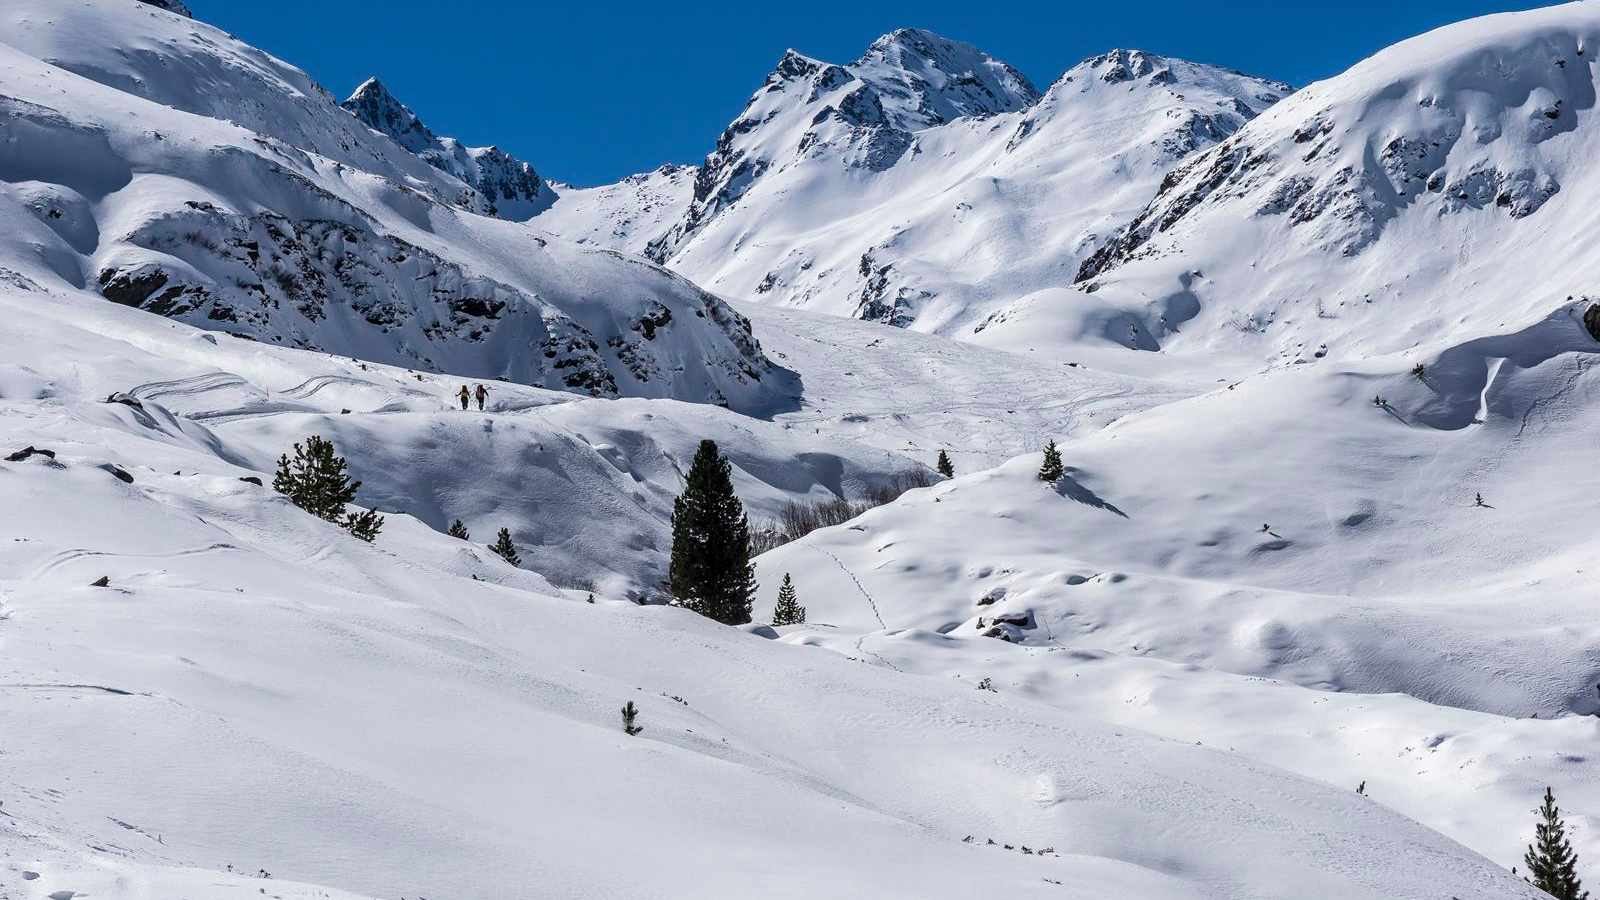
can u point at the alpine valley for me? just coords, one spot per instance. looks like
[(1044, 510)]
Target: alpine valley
[(1184, 480)]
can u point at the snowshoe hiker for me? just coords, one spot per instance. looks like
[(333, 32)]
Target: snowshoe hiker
[(464, 395), (480, 392)]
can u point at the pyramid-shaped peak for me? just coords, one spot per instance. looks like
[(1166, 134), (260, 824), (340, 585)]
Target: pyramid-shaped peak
[(372, 103)]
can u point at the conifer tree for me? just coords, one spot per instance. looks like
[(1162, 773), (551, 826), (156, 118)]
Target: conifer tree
[(788, 611), (1052, 469), (364, 525), (945, 467), (458, 530), (711, 571), (629, 714), (1552, 866), (318, 481), (506, 550)]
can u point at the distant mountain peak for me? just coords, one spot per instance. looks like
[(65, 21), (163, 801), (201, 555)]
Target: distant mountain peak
[(511, 186), (372, 103)]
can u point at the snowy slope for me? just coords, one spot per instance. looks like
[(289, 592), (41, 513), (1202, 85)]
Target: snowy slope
[(585, 486), (289, 221), (257, 692), (511, 187), (1283, 527), (1402, 202), (626, 215), (860, 191)]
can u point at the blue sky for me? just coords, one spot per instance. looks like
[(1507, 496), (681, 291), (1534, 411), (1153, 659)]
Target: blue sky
[(590, 92)]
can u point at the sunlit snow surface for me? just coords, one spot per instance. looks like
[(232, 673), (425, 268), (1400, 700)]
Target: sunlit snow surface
[(1163, 677)]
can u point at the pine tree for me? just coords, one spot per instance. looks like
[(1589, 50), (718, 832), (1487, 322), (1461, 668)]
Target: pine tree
[(318, 481), (364, 525), (1552, 865), (788, 611), (458, 530), (1051, 470), (711, 571), (505, 549), (946, 468), (629, 714)]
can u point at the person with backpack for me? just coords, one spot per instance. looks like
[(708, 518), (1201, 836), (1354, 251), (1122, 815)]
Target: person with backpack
[(481, 392), (464, 396)]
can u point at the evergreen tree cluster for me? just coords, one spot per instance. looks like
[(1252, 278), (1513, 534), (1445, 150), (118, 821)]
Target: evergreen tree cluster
[(1552, 866), (711, 571), (318, 481), (945, 466), (788, 610), (458, 530)]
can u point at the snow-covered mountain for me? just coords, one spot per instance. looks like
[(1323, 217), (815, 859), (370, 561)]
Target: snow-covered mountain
[(1279, 631), (859, 117), (512, 188), (180, 171), (928, 185), (1439, 189)]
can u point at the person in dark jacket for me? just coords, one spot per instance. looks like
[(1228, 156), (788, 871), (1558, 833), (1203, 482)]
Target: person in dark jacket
[(464, 396), (480, 392)]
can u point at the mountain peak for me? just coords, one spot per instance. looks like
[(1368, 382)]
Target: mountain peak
[(512, 187), (372, 103), (927, 79)]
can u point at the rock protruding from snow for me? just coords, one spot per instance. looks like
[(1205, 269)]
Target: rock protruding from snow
[(173, 6), (511, 186)]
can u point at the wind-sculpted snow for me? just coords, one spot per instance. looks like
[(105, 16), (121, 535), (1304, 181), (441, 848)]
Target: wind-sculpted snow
[(181, 172)]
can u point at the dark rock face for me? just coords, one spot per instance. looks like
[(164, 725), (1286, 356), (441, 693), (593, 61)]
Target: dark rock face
[(273, 278), (173, 6), (1591, 320), (345, 287), (373, 104)]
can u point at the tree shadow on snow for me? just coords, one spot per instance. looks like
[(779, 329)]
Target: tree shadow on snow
[(1072, 489)]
